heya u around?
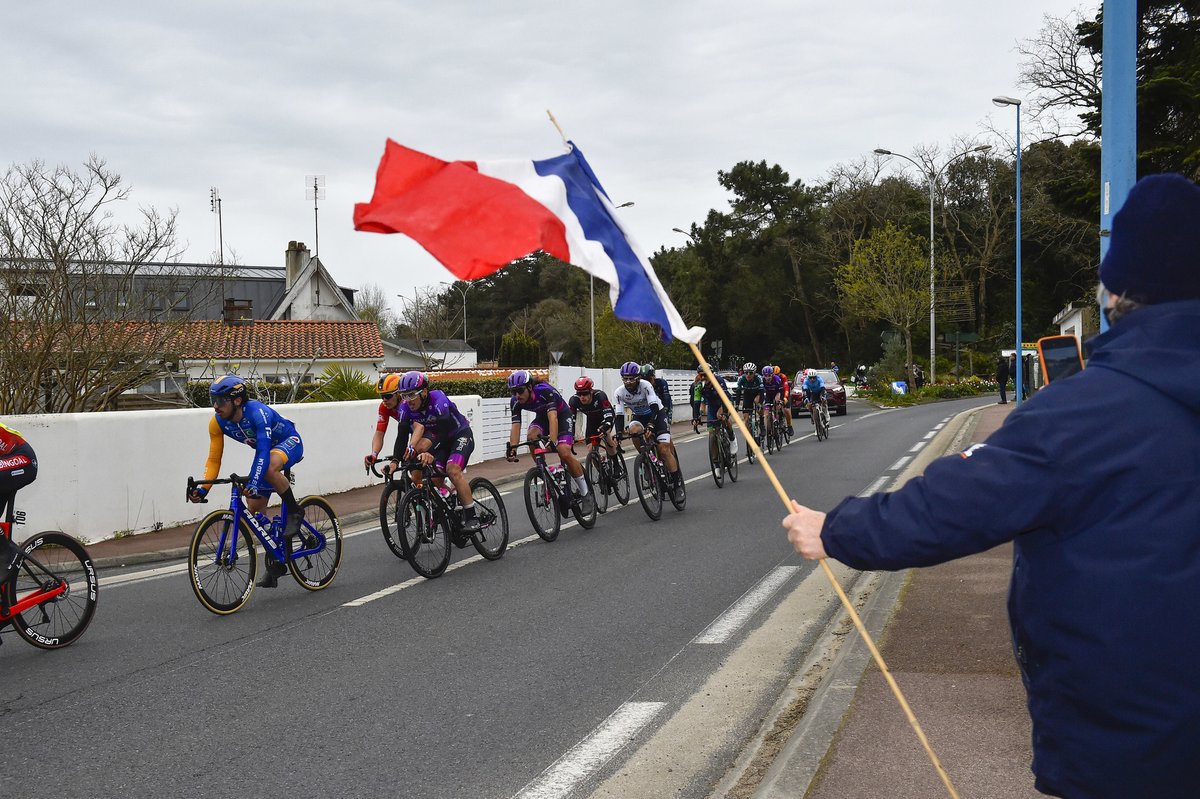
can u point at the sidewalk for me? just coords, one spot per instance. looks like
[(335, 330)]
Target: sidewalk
[(947, 645), (352, 507)]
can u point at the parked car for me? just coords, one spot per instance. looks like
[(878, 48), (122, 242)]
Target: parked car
[(730, 379), (834, 391)]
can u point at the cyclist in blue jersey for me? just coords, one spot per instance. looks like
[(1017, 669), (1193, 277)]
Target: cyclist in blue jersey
[(276, 445), (814, 390), (553, 419), (749, 391), (715, 409), (433, 430), (661, 388)]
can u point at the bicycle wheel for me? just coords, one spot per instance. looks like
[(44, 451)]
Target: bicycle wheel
[(541, 502), (648, 490), (389, 502), (769, 440), (316, 570), (619, 475), (731, 462), (597, 475), (50, 560), (425, 539), (678, 494), (716, 457), (584, 508), (221, 569), (492, 538), (787, 432)]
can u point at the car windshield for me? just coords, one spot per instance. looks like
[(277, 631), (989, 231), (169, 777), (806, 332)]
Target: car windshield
[(827, 376)]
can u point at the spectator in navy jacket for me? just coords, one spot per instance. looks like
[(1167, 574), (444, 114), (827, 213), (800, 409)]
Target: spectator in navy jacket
[(1096, 481)]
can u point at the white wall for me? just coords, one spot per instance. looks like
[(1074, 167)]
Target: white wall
[(101, 473)]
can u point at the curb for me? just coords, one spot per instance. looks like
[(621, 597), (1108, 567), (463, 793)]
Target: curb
[(803, 755)]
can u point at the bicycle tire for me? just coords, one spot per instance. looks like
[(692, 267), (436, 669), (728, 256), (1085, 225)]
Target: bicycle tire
[(389, 502), (57, 622), (222, 579), (716, 457), (731, 463), (541, 503), (600, 484), (586, 519), (620, 483), (316, 570), (677, 495), (492, 538), (648, 489), (426, 538)]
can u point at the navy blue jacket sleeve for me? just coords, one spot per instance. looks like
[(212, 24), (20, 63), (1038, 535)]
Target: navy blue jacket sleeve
[(964, 503)]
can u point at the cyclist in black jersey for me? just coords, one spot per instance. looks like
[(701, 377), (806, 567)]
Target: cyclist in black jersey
[(596, 408)]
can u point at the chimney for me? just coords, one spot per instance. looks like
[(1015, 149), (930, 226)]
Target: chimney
[(296, 262)]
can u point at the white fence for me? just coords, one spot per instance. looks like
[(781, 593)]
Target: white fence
[(104, 473)]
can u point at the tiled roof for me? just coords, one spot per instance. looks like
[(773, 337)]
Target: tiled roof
[(280, 339)]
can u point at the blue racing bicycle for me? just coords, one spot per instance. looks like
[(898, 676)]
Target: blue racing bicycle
[(221, 560)]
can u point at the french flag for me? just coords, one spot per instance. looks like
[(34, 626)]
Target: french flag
[(479, 216)]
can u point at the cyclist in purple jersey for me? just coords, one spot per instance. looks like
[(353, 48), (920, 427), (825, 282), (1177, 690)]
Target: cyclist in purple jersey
[(430, 415), (772, 393), (553, 419)]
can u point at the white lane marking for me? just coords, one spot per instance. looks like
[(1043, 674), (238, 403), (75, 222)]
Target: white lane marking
[(875, 487), (740, 612), (948, 418), (939, 426), (142, 576), (931, 434), (917, 447), (589, 755), (876, 413), (900, 463)]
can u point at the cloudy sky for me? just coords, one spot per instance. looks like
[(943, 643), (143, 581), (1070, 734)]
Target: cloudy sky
[(251, 97)]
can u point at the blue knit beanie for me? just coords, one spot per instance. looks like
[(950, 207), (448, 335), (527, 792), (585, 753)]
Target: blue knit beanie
[(1154, 254)]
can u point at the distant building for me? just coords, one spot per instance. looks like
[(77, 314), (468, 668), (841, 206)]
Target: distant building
[(428, 353)]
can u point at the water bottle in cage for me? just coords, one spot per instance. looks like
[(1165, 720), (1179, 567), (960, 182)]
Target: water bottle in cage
[(450, 496)]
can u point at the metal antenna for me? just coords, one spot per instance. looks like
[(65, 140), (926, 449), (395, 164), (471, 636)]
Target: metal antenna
[(315, 190), (214, 202)]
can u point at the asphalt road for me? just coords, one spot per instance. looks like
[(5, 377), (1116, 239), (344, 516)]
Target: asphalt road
[(535, 676)]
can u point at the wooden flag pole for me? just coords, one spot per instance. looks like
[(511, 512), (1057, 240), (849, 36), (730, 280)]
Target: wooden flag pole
[(858, 623)]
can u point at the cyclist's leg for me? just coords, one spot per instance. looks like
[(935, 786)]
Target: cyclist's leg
[(459, 453)]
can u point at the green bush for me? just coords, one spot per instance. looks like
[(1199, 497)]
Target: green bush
[(486, 387), (270, 393)]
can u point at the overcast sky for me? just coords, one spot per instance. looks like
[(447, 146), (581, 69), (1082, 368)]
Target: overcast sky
[(251, 97)]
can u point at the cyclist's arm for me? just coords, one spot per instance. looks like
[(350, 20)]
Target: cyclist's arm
[(262, 449), (216, 448), (552, 423)]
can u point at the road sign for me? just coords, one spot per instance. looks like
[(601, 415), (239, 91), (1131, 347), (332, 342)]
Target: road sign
[(956, 337)]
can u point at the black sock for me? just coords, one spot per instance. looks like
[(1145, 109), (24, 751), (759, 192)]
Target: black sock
[(289, 499)]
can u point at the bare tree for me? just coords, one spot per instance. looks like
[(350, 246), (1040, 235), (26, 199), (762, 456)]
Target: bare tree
[(91, 306), (1064, 74), (427, 317), (371, 302)]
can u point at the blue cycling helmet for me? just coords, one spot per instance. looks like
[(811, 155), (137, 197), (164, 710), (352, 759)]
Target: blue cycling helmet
[(412, 381), (519, 378), (228, 386), (630, 369), (767, 371)]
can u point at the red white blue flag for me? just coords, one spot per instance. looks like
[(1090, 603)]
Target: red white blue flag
[(479, 216)]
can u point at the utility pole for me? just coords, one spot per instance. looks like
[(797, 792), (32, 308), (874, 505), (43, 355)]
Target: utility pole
[(315, 190), (214, 202)]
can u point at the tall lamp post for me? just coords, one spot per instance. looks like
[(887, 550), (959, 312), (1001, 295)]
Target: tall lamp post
[(1003, 101), (933, 175), (592, 297), (463, 293)]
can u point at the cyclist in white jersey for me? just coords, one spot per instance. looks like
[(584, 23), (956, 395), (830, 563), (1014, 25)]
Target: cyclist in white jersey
[(649, 413)]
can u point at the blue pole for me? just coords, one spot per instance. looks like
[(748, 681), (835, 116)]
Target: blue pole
[(1118, 115), (1018, 384)]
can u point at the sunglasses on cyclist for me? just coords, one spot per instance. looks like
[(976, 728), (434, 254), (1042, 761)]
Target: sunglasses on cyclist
[(587, 393), (388, 395), (516, 392), (410, 395)]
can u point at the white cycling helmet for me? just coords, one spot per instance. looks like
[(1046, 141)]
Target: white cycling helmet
[(749, 367), (810, 372)]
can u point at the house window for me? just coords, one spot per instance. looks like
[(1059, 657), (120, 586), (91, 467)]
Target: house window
[(180, 301)]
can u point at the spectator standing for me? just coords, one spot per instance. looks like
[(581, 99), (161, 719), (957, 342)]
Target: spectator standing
[(1002, 378), (1105, 623)]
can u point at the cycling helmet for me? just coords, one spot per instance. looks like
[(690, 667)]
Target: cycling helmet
[(413, 381), (810, 373), (630, 369), (584, 384), (768, 371), (519, 378), (388, 384), (647, 370), (699, 369), (749, 368), (228, 386)]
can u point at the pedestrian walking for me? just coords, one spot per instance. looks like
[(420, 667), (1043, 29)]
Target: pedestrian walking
[(1106, 568), (1026, 371), (918, 376), (1002, 377)]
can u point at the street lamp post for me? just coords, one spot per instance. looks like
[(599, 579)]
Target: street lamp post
[(933, 175), (1003, 101), (463, 293)]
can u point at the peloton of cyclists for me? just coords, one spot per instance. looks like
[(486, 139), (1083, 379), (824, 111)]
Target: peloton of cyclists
[(553, 419), (649, 415), (276, 445), (596, 408)]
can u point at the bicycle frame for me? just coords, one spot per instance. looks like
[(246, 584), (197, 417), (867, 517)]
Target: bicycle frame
[(268, 537), (41, 595)]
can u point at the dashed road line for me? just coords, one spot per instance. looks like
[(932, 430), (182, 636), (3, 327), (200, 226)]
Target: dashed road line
[(740, 612), (900, 464)]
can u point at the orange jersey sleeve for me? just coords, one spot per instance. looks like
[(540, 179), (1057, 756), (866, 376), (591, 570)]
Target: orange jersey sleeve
[(216, 448)]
